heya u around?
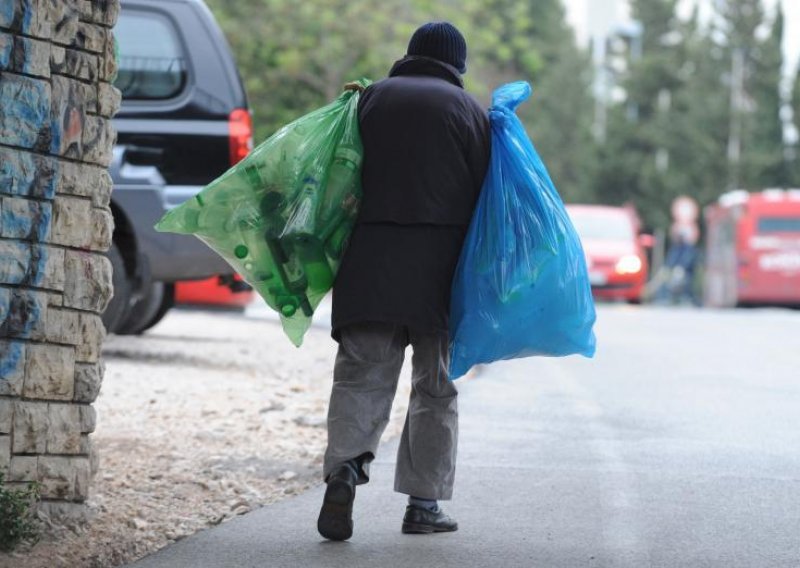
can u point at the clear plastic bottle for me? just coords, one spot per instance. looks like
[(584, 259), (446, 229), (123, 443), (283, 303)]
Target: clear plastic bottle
[(343, 175), (304, 211)]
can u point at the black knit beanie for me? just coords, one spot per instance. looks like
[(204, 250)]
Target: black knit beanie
[(442, 41)]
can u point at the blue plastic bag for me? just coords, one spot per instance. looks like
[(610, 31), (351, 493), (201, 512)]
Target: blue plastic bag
[(521, 287)]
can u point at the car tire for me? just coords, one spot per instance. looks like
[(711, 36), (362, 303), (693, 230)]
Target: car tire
[(167, 303), (142, 311), (118, 305)]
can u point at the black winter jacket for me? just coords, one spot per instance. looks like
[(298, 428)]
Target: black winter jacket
[(426, 151)]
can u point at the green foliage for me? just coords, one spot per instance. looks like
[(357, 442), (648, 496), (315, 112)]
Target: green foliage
[(645, 133), (560, 114), (796, 99), (669, 135), (295, 57), (763, 158), (683, 137), (17, 521), (794, 165), (700, 122)]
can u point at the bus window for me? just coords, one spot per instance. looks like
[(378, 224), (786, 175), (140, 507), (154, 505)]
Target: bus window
[(779, 225)]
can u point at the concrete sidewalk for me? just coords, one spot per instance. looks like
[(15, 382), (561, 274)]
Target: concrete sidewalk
[(667, 450), (497, 504)]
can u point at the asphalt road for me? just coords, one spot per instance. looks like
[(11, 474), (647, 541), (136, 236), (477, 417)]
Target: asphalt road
[(677, 446)]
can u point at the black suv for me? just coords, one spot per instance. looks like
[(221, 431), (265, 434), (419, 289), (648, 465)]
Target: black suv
[(184, 120)]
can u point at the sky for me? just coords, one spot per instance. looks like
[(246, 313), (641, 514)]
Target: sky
[(578, 15)]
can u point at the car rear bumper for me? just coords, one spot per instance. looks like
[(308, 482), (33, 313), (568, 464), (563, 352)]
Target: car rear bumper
[(212, 292), (630, 292), (612, 286), (170, 257)]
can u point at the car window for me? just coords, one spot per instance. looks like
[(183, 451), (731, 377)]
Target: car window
[(602, 226), (779, 225), (151, 61)]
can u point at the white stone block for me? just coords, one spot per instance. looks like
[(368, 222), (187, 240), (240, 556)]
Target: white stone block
[(88, 379), (5, 452), (6, 415), (23, 468), (64, 434), (92, 334), (31, 421), (50, 372), (88, 283)]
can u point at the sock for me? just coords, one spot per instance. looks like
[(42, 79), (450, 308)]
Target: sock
[(355, 466), (430, 504)]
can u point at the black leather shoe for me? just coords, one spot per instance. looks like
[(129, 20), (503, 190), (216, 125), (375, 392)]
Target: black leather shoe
[(336, 516), (423, 521)]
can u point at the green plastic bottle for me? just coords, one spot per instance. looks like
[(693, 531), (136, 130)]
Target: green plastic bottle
[(337, 242), (311, 254), (251, 252), (300, 238), (343, 177), (281, 216)]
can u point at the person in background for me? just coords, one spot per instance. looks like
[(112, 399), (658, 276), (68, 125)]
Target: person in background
[(426, 152), (680, 264)]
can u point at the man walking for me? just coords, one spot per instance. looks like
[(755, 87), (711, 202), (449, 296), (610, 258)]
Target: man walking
[(426, 151)]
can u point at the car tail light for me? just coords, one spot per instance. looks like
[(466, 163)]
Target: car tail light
[(240, 127)]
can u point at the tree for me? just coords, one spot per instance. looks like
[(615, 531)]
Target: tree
[(702, 109), (757, 149), (638, 158), (295, 57), (560, 113), (795, 105), (531, 41), (701, 117)]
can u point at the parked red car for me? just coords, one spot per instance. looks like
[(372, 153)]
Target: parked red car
[(221, 292), (615, 252)]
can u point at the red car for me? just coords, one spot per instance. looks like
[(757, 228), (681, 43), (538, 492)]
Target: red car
[(221, 292), (615, 252)]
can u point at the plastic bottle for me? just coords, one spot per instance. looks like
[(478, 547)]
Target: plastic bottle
[(189, 219), (267, 169), (252, 174), (288, 270), (252, 251), (209, 220), (287, 305), (300, 240), (336, 243), (305, 208), (343, 177), (311, 254), (290, 149)]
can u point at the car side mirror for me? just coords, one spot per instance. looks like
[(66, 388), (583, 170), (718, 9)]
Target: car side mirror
[(647, 241)]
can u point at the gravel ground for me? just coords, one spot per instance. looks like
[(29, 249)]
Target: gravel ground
[(206, 417)]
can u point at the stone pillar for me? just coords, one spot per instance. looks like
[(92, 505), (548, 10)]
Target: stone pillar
[(56, 100)]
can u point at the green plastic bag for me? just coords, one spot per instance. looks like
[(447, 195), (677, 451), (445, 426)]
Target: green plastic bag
[(282, 216)]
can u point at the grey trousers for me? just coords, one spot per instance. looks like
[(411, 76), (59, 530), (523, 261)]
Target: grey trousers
[(364, 385)]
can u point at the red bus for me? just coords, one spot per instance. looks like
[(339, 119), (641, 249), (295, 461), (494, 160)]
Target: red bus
[(753, 249)]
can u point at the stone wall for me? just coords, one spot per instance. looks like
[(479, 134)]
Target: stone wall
[(56, 99)]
